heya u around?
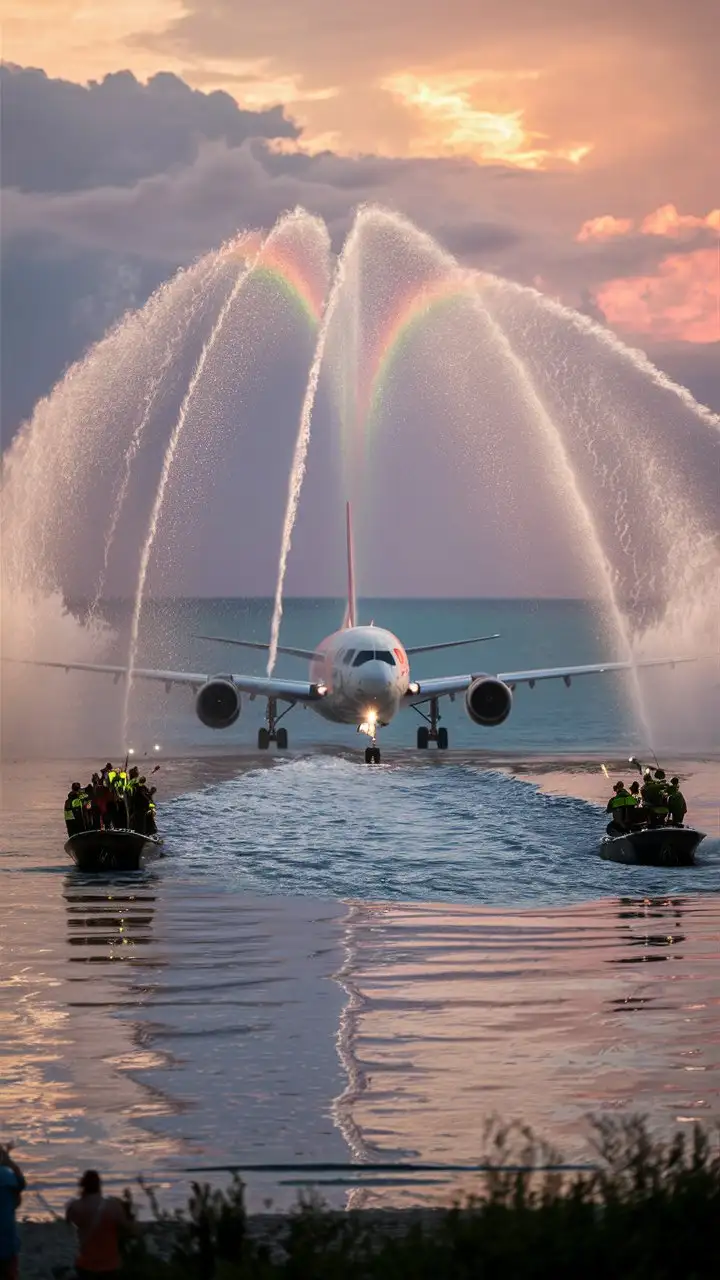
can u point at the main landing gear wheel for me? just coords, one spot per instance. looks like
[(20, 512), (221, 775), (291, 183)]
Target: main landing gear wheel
[(429, 732), (271, 733), (372, 755)]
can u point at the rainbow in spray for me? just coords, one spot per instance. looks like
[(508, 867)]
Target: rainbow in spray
[(414, 312), (275, 264)]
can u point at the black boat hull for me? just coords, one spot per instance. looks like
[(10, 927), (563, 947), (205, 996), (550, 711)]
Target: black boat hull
[(653, 847), (111, 850)]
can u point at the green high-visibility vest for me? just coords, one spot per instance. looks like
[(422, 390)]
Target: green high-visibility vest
[(620, 802), (68, 815)]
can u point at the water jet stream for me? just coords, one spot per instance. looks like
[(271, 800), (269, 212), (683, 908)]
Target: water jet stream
[(150, 400), (630, 355), (162, 483), (563, 470), (302, 442)]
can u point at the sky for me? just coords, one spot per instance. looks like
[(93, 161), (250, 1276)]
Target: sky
[(566, 145)]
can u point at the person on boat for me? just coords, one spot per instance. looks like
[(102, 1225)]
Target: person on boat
[(92, 811), (620, 804), (120, 785), (75, 809), (107, 779), (131, 794), (144, 820), (69, 813), (150, 823), (655, 798), (676, 803)]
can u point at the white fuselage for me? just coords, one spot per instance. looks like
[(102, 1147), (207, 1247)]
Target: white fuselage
[(366, 673)]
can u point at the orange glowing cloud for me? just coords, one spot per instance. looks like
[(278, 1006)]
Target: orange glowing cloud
[(682, 301), (665, 221), (450, 123), (604, 228)]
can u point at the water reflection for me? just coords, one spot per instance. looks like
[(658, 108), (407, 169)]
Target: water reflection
[(110, 917), (650, 909), (454, 1014)]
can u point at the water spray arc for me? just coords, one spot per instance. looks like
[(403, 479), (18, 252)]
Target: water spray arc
[(526, 386), (302, 442), (563, 472), (170, 451)]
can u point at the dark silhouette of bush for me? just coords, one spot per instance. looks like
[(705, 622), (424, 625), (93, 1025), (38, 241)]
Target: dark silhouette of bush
[(649, 1210)]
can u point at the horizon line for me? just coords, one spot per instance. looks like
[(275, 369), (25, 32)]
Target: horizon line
[(492, 599)]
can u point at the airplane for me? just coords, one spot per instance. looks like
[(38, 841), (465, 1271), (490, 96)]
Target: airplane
[(359, 675)]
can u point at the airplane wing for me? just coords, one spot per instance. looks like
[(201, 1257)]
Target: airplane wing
[(447, 686), (448, 644), (308, 654), (254, 686), (567, 674)]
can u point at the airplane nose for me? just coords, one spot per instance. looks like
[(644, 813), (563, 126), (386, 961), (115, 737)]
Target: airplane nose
[(376, 679)]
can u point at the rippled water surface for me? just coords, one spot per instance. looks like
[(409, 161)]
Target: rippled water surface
[(336, 964)]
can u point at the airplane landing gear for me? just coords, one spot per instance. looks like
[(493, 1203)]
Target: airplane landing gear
[(369, 726), (430, 733), (272, 733)]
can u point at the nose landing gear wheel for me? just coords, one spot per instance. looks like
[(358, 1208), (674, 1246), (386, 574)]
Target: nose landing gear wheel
[(372, 755)]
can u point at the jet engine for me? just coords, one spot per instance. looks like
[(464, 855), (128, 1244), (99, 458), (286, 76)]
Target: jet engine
[(218, 703), (488, 701)]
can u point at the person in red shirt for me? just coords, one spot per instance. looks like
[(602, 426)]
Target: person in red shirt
[(99, 1221)]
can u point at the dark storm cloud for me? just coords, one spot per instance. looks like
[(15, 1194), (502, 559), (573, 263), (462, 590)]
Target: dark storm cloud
[(58, 136), (176, 215)]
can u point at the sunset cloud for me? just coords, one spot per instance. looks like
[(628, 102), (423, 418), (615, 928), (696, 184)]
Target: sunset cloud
[(569, 142), (451, 124), (668, 222), (604, 228), (681, 299), (680, 302), (665, 221)]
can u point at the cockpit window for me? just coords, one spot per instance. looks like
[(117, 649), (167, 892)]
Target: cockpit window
[(380, 655), (348, 656)]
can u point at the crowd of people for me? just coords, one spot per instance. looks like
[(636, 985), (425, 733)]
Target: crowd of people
[(99, 1222), (115, 797), (655, 803)]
